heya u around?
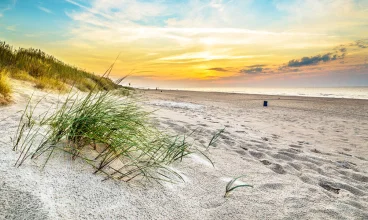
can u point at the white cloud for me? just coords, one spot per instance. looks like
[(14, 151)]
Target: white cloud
[(6, 6), (48, 11), (157, 25), (206, 56), (127, 21), (323, 15), (11, 28), (89, 9)]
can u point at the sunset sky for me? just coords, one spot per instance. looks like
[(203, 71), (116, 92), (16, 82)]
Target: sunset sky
[(200, 43)]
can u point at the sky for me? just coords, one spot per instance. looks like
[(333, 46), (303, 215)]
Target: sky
[(200, 43)]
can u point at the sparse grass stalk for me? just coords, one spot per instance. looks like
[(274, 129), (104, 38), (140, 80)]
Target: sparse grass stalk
[(230, 185)]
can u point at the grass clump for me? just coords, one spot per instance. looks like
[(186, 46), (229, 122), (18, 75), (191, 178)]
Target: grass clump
[(36, 66), (123, 91), (49, 83), (5, 88), (230, 185), (112, 134), (21, 75)]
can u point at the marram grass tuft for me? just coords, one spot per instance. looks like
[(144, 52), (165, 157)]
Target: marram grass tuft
[(112, 134)]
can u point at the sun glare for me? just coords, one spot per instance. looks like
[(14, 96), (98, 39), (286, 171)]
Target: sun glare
[(208, 41)]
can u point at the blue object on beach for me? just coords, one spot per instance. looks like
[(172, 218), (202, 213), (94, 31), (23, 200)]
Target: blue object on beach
[(265, 103)]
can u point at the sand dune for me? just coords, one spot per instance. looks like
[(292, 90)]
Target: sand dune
[(307, 158)]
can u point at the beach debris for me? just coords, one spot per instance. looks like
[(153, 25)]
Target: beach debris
[(265, 103), (329, 188), (230, 187)]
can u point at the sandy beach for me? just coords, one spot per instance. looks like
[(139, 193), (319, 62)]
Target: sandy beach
[(307, 158)]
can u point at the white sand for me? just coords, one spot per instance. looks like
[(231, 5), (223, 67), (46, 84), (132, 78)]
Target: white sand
[(287, 150)]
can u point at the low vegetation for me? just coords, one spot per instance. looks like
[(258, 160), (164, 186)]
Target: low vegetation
[(112, 134), (5, 88), (46, 72), (230, 186)]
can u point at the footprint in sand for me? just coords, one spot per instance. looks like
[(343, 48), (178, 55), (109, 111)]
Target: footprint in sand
[(277, 168), (18, 204), (266, 162), (291, 150), (295, 146), (329, 188), (241, 152), (257, 155), (345, 164)]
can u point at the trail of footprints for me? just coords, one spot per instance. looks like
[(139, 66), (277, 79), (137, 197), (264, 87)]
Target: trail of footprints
[(300, 159), (332, 176)]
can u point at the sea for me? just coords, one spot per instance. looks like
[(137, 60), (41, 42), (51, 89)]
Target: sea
[(332, 92)]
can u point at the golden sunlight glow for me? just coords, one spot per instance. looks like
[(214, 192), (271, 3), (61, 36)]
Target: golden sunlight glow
[(213, 40)]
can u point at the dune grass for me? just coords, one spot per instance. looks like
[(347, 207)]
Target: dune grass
[(47, 72), (5, 88), (230, 186), (113, 135), (51, 84)]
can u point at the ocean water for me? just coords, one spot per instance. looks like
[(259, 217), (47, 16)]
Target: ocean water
[(333, 92)]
